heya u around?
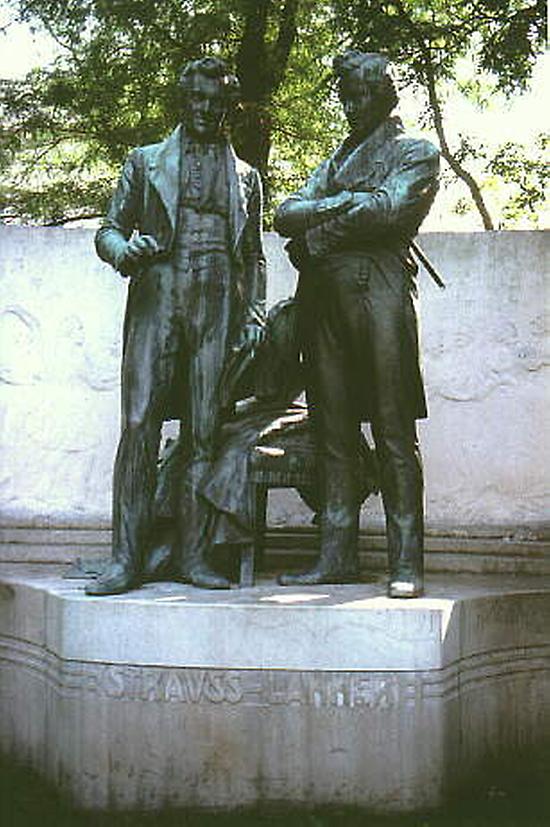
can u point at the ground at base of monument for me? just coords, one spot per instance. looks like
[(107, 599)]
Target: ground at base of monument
[(26, 800)]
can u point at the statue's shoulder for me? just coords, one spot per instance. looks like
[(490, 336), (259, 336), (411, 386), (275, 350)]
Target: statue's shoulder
[(421, 148), (141, 156), (161, 150), (150, 150), (245, 170), (414, 145)]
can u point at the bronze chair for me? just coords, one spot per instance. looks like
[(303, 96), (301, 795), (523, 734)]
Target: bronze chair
[(288, 459)]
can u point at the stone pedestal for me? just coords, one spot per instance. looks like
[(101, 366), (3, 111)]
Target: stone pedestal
[(170, 696)]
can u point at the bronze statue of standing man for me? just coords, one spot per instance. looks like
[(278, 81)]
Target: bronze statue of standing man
[(185, 226), (351, 227)]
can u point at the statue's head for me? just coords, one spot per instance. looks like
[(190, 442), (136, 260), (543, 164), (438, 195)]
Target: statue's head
[(209, 92), (365, 88)]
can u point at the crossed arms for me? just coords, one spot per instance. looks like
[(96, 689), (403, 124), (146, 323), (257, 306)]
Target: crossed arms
[(333, 222)]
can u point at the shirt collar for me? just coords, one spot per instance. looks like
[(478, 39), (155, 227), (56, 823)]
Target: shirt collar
[(190, 146), (387, 129)]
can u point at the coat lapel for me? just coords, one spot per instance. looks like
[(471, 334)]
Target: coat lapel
[(364, 161), (164, 173), (164, 176), (238, 212)]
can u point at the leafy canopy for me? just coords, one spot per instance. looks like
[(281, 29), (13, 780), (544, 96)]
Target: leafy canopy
[(66, 127)]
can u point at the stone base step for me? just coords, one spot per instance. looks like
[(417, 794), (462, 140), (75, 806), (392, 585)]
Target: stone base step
[(482, 550)]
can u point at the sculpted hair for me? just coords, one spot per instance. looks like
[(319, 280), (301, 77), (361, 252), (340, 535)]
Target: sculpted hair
[(211, 67), (371, 70)]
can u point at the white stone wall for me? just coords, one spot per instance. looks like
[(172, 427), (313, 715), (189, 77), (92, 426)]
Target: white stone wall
[(485, 445), (486, 358)]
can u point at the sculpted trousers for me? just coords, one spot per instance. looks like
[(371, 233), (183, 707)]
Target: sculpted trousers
[(359, 341), (176, 341)]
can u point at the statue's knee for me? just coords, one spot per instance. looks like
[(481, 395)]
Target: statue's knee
[(202, 450), (341, 515), (136, 421)]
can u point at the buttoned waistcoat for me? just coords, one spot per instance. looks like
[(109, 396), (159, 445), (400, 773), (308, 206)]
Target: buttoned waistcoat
[(147, 199)]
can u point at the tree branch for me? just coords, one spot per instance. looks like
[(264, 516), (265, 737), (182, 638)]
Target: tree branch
[(455, 165), (41, 152), (251, 57), (446, 152), (4, 28), (285, 41)]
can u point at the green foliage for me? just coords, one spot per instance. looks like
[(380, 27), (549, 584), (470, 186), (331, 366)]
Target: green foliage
[(307, 118), (114, 87), (526, 171), (505, 36), (428, 38), (67, 127)]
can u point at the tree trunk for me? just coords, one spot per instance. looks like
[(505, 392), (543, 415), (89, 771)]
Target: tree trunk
[(253, 136), (456, 167), (446, 152), (261, 69)]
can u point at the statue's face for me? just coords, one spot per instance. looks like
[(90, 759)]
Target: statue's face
[(205, 107), (357, 102)]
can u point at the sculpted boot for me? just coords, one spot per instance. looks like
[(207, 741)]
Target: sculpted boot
[(405, 548), (134, 482), (195, 570), (337, 561), (119, 577), (123, 572), (194, 535)]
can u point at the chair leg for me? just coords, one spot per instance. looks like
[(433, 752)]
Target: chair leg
[(252, 554), (246, 573), (260, 526)]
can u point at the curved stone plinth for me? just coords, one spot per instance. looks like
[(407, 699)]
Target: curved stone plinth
[(170, 696)]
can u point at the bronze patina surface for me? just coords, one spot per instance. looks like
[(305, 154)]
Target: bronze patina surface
[(185, 226), (351, 228)]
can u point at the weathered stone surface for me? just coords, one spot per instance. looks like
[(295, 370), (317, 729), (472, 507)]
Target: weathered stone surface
[(193, 699), (485, 345), (60, 334), (474, 550), (486, 354)]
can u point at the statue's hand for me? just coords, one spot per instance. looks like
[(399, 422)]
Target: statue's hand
[(335, 204), (251, 335), (142, 246)]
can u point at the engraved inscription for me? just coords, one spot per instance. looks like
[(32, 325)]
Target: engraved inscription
[(267, 689), (373, 692), (255, 688), (190, 686), (328, 690)]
